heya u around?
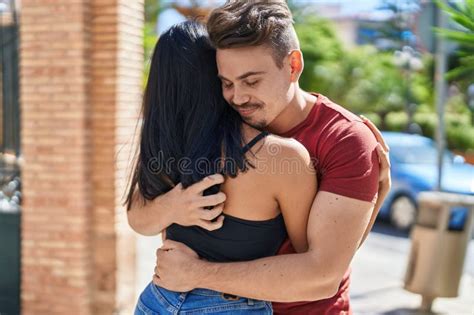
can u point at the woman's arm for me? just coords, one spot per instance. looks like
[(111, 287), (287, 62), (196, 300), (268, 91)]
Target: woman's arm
[(184, 206)]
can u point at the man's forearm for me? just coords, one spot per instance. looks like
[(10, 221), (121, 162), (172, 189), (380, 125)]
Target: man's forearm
[(149, 218), (284, 278)]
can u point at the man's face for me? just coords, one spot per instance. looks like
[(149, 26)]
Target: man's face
[(253, 84)]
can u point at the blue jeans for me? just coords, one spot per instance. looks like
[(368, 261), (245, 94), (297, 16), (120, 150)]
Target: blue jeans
[(157, 300)]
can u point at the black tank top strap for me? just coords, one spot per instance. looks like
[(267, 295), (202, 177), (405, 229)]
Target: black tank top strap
[(252, 142), (248, 146)]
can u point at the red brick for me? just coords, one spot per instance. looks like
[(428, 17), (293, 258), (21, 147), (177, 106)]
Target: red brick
[(77, 91)]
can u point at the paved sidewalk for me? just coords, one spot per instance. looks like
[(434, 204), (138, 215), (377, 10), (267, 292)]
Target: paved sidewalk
[(378, 271)]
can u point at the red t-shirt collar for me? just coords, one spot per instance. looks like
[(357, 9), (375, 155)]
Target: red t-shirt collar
[(290, 133)]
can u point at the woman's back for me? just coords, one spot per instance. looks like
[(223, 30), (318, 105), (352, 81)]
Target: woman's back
[(251, 195), (254, 225)]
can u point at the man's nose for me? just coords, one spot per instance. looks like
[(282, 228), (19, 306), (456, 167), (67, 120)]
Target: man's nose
[(240, 98)]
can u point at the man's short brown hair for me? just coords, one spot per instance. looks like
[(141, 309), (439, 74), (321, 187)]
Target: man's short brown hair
[(244, 23)]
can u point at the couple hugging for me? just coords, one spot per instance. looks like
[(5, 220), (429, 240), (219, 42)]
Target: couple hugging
[(263, 192)]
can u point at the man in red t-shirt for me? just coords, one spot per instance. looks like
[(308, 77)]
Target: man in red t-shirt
[(259, 64), (343, 150)]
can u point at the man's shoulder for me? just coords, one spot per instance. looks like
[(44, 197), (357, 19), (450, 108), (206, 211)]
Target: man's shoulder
[(342, 124), (334, 110)]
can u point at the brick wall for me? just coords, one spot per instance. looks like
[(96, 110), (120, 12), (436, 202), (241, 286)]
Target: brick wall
[(103, 87), (80, 91)]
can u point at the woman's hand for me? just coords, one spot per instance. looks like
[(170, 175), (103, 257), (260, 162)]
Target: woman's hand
[(385, 180), (187, 206)]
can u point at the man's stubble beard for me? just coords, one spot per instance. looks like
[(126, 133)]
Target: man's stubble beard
[(260, 125)]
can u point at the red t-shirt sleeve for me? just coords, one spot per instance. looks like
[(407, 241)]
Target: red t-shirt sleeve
[(351, 167)]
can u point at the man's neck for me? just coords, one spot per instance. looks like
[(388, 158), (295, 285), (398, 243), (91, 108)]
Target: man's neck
[(296, 112)]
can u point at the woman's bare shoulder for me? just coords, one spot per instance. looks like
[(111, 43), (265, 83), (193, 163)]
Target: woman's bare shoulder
[(275, 149), (285, 148)]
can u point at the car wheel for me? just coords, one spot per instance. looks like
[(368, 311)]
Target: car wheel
[(403, 213)]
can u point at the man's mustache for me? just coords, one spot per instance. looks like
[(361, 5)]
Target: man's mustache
[(245, 106)]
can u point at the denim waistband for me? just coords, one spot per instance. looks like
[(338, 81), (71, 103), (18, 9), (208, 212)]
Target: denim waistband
[(198, 291), (197, 301), (205, 292)]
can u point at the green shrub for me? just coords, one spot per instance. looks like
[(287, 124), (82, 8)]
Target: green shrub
[(458, 120), (460, 138), (427, 122), (459, 131), (396, 121)]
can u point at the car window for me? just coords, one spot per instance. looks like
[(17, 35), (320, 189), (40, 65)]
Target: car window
[(417, 154)]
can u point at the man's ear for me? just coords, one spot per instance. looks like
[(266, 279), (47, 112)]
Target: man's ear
[(296, 64)]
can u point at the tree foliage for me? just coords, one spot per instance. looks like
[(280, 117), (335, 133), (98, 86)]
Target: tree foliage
[(362, 79), (463, 15)]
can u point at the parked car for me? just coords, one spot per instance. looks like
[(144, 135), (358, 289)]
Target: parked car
[(415, 169)]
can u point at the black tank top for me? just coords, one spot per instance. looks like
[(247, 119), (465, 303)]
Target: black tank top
[(238, 239)]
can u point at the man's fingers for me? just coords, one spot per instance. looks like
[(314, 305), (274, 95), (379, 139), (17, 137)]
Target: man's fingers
[(376, 132), (210, 215), (159, 250), (159, 255), (212, 226), (211, 200), (156, 280), (169, 244), (207, 182)]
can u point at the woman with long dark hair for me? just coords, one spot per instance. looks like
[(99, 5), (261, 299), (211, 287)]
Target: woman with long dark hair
[(189, 132)]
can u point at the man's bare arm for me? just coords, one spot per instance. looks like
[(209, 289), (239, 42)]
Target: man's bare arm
[(335, 229)]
